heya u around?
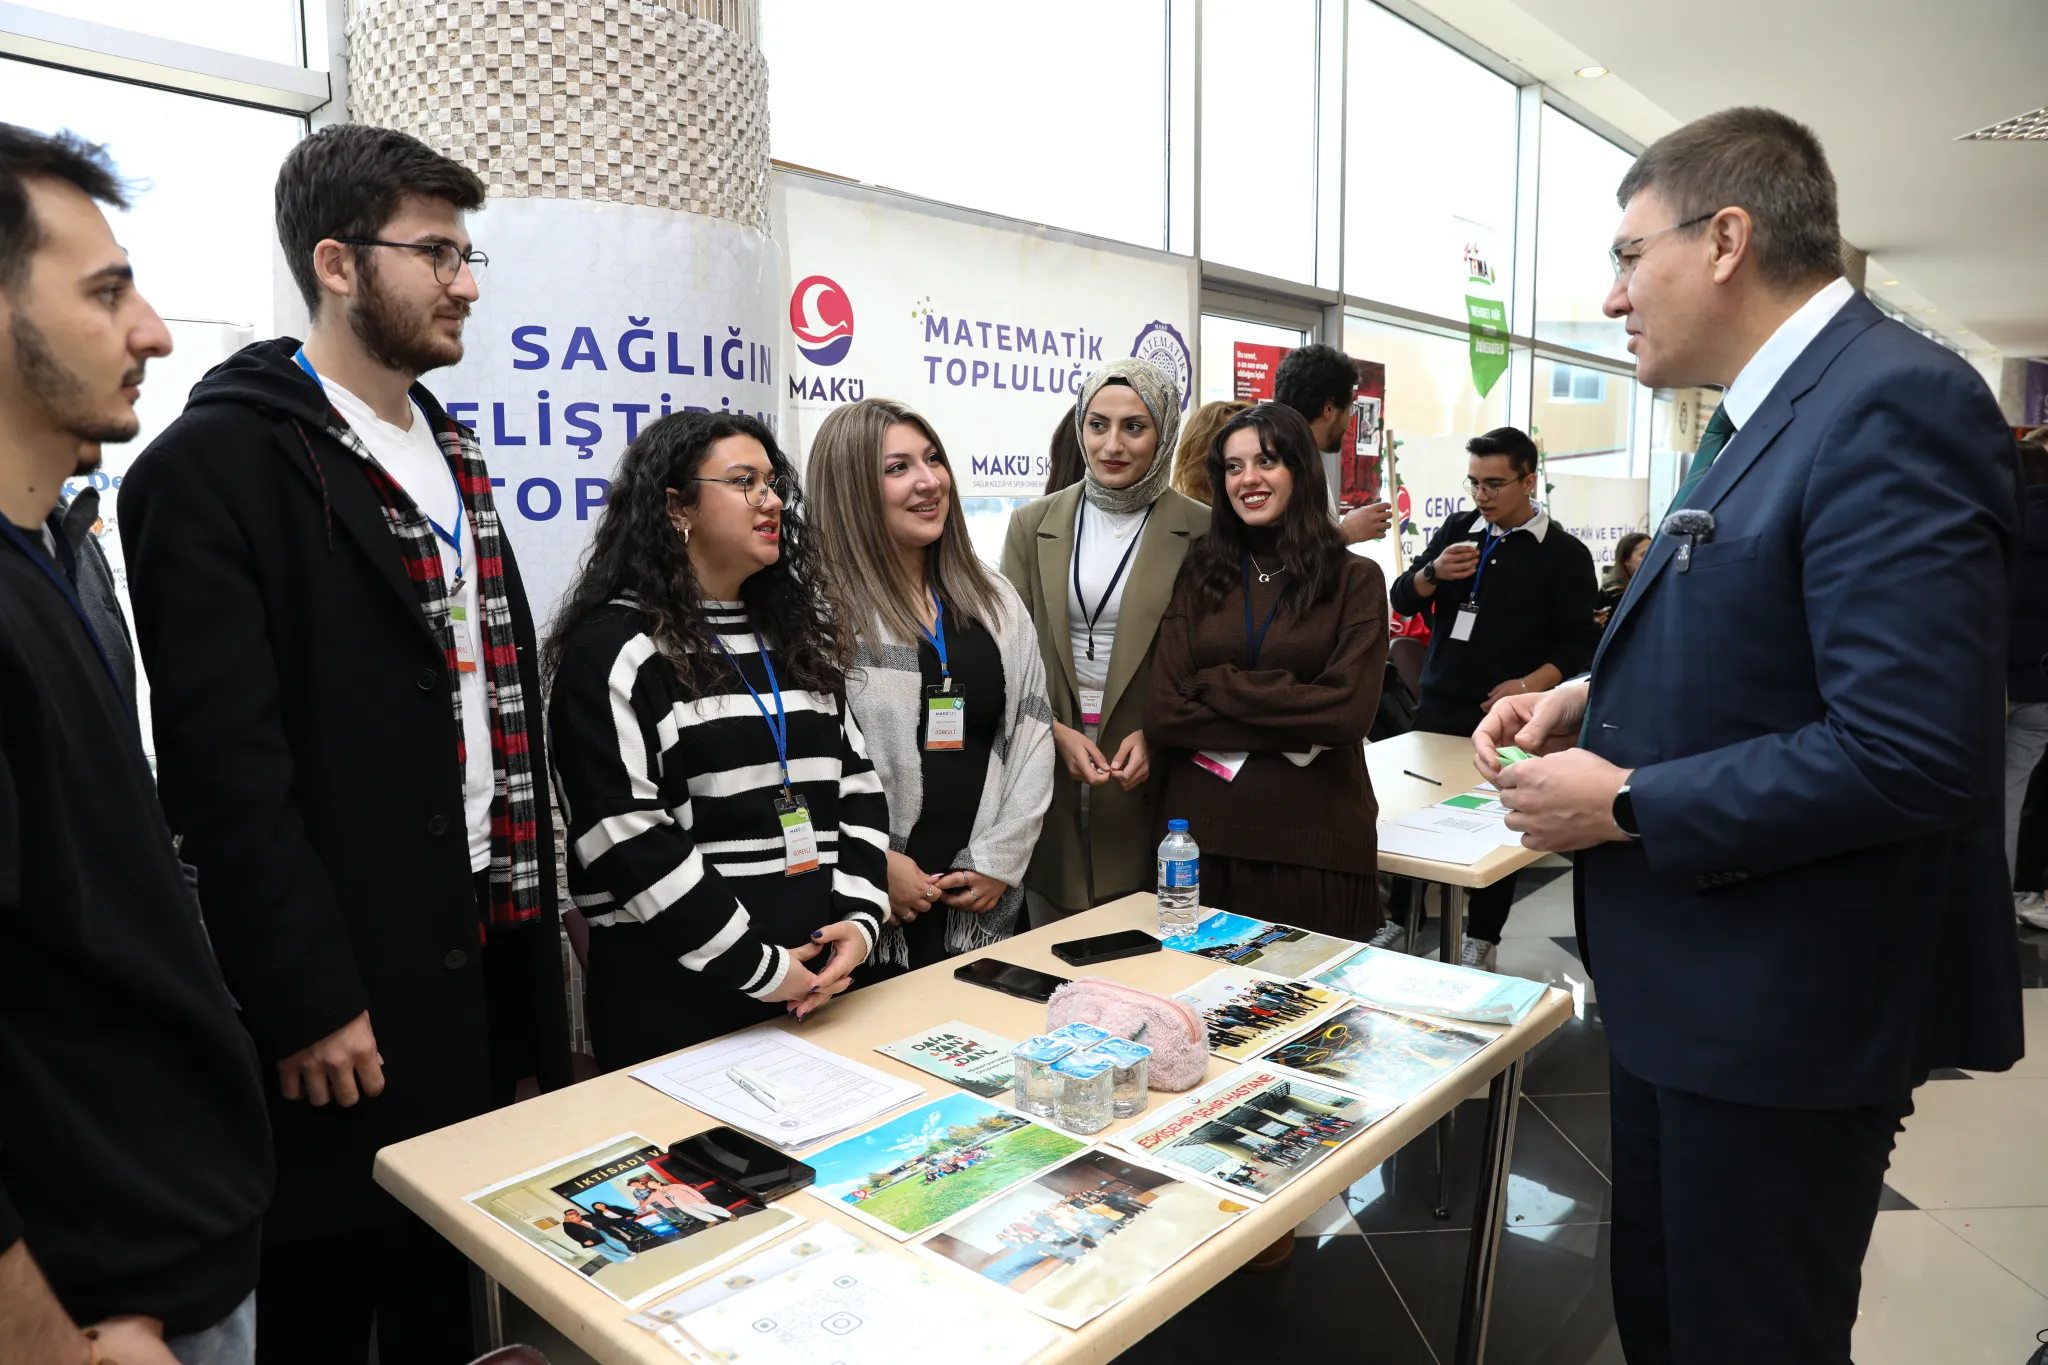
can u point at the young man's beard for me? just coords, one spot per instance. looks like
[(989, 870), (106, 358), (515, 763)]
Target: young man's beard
[(65, 394), (396, 337)]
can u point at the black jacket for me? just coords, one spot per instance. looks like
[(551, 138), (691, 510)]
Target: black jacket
[(2026, 672), (134, 1156), (306, 750)]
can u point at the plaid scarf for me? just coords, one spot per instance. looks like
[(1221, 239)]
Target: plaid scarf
[(515, 820)]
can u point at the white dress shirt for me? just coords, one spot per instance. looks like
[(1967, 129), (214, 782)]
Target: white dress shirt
[(1775, 356)]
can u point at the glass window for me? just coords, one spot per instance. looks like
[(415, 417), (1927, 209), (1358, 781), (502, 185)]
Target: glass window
[(1429, 178), (252, 28), (1581, 419), (1220, 336), (1576, 384), (1259, 136), (1575, 218), (1054, 113)]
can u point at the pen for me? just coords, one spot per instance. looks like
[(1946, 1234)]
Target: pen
[(1419, 777)]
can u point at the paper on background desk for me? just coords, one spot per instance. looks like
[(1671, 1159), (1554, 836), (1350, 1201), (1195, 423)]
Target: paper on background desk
[(1446, 834), (778, 1087)]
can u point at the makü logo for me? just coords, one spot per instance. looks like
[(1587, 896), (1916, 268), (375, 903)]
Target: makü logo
[(822, 317)]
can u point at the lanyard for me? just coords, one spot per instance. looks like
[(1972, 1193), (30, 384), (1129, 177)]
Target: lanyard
[(64, 585), (452, 540), (1493, 542), (1089, 618), (937, 636), (1254, 643), (778, 724)]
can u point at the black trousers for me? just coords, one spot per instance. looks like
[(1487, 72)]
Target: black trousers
[(317, 1299), (1486, 909), (1739, 1231)]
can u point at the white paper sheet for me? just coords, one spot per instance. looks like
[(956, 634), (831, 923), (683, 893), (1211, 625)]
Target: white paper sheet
[(778, 1087), (1445, 835)]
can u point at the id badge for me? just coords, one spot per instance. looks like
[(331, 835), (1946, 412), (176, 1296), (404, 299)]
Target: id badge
[(799, 840), (945, 720), (465, 649), (1091, 706), (1461, 628)]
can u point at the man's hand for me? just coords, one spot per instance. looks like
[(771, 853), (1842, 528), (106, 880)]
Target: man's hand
[(911, 889), (344, 1066), (1540, 722), (848, 948), (1369, 522), (1457, 561), (132, 1340), (1133, 761), (1564, 802), (1079, 756), (967, 890)]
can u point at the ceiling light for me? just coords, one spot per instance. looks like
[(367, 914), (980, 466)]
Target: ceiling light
[(1930, 309), (1591, 72), (1889, 283), (2028, 127)]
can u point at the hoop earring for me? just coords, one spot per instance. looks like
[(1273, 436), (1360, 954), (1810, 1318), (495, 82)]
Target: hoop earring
[(684, 532)]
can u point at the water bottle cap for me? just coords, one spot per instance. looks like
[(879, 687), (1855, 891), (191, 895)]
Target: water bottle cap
[(1176, 827)]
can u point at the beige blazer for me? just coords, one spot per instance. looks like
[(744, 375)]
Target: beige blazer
[(1038, 560)]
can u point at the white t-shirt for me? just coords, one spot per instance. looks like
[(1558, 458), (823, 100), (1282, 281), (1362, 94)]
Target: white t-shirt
[(1100, 541), (414, 460)]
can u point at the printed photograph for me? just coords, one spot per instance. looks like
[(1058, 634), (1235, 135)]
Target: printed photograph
[(1275, 949), (1254, 1130), (631, 1220), (938, 1160), (1393, 1057), (1246, 1012), (1077, 1239)]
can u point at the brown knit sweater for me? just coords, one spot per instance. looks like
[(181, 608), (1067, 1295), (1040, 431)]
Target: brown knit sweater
[(1318, 682)]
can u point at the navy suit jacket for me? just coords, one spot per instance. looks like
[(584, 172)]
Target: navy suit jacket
[(1818, 912)]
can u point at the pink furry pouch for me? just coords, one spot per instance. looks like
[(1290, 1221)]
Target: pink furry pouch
[(1179, 1042)]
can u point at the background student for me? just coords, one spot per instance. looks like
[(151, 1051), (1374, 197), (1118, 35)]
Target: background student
[(726, 830), (2026, 672), (1628, 557), (1320, 382), (1510, 598), (1095, 563), (967, 788), (1191, 459)]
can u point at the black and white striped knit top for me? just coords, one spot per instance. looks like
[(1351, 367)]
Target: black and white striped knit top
[(669, 798)]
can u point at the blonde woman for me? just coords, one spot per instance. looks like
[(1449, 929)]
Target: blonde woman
[(947, 684), (1191, 461)]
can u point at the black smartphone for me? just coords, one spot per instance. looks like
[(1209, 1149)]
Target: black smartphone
[(1085, 952), (762, 1171), (1007, 977)]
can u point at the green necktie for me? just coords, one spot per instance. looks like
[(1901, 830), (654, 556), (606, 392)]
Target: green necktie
[(1712, 441)]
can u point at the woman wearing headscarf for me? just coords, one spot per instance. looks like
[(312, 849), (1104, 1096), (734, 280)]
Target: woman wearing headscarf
[(1095, 564)]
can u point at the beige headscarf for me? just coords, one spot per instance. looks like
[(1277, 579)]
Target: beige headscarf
[(1161, 397)]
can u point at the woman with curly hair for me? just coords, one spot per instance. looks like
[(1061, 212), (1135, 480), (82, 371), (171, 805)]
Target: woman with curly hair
[(1191, 460), (727, 832)]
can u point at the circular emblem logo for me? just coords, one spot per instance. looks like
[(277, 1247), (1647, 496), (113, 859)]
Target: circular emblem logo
[(1167, 351), (822, 317)]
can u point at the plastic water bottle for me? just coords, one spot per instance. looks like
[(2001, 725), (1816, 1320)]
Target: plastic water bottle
[(1180, 881)]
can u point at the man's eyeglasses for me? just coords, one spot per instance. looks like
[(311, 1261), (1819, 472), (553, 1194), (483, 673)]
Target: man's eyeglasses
[(1624, 255), (1492, 487), (448, 258), (753, 487)]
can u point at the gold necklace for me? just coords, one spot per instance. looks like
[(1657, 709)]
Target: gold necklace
[(1265, 577)]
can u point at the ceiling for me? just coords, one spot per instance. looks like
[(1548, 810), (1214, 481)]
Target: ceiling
[(1961, 227)]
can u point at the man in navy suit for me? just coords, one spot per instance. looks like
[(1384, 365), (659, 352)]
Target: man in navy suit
[(1784, 770)]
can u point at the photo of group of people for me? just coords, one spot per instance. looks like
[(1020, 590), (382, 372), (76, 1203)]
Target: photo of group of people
[(631, 1219), (1246, 1011), (1254, 1130), (1075, 1240)]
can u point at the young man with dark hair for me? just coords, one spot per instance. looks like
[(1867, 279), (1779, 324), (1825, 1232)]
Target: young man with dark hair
[(121, 1062), (347, 706), (1509, 597), (1319, 382)]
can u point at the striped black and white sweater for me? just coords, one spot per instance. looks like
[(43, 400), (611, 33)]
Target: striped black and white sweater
[(670, 800)]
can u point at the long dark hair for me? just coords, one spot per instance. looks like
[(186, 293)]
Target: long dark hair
[(636, 554), (1064, 460), (1309, 543)]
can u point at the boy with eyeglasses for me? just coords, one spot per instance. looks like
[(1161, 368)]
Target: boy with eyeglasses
[(347, 707), (1509, 598)]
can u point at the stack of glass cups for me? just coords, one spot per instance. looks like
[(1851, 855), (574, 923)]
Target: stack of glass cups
[(1086, 1092), (1036, 1088), (1129, 1080)]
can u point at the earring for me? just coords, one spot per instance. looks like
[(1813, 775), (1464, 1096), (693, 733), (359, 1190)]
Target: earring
[(683, 529)]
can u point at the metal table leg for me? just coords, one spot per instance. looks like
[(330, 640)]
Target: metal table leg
[(1489, 1215), (1446, 1132), (486, 1312), (1454, 925), (1412, 910)]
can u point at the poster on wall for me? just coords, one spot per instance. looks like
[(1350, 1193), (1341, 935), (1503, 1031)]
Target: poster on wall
[(1599, 511), (1253, 366), (984, 325), (1431, 473), (593, 320)]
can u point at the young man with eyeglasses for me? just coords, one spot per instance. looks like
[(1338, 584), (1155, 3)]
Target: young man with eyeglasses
[(347, 710), (1509, 597)]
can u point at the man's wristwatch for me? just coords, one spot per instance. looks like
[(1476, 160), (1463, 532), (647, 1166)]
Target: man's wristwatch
[(1625, 813), (1429, 571)]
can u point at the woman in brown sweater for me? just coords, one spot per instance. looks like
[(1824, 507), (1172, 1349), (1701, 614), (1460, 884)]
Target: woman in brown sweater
[(1265, 682)]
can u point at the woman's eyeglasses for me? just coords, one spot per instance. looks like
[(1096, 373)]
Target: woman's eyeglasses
[(755, 488)]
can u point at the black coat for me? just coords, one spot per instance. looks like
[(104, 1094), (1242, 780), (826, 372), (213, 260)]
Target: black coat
[(306, 751)]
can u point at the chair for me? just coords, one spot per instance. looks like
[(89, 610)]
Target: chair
[(1406, 654)]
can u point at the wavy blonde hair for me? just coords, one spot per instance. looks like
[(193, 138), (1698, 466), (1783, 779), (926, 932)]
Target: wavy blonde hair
[(850, 524), (1191, 461)]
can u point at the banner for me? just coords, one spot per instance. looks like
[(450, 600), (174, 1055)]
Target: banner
[(1431, 473), (1486, 314), (1599, 511), (985, 326), (595, 319)]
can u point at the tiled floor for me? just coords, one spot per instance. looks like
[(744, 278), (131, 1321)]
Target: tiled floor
[(1958, 1263)]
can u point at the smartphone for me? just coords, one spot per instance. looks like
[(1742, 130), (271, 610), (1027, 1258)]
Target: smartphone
[(1007, 977), (1086, 952), (761, 1170)]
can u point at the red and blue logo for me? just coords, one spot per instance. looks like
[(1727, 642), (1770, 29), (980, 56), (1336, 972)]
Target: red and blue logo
[(822, 317)]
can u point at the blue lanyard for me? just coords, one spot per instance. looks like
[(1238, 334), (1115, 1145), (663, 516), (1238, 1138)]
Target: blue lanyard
[(452, 541), (778, 724), (1254, 643), (64, 585), (1494, 542), (937, 638)]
